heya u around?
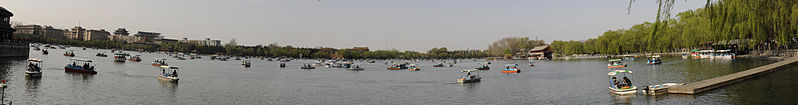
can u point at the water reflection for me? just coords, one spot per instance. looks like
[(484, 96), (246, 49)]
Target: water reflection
[(32, 85), (622, 99), (86, 78), (470, 87), (169, 87)]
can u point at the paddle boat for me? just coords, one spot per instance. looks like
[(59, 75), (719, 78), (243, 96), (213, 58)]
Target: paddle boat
[(135, 58), (723, 54), (119, 57), (246, 63), (34, 67), (656, 59), (397, 67), (511, 68), (438, 65), (659, 89), (159, 62), (69, 53), (44, 52), (483, 67), (621, 86), (355, 68), (168, 73), (531, 64), (307, 66), (615, 63), (282, 65), (413, 68), (87, 67), (468, 77), (99, 54)]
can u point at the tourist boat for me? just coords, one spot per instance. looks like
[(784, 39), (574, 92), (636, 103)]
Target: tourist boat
[(483, 67), (87, 67), (246, 63), (119, 57), (468, 77), (69, 53), (398, 67), (34, 68), (656, 59), (618, 86), (44, 52), (282, 65), (413, 68), (135, 58), (511, 68), (307, 66), (659, 89), (99, 54), (723, 54), (168, 73), (438, 65), (355, 68), (159, 62), (531, 64), (615, 63)]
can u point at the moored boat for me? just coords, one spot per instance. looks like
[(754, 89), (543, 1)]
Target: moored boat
[(659, 89), (87, 66)]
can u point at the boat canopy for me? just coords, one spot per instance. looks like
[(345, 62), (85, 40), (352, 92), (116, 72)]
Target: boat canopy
[(615, 60), (656, 56), (34, 60), (705, 51), (169, 67), (81, 59), (119, 53), (723, 51), (612, 73), (511, 65), (472, 70), (160, 59)]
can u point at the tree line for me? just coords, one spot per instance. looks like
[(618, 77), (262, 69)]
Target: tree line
[(749, 24), (271, 50)]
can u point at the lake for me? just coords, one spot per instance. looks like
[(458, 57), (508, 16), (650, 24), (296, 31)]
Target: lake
[(205, 81)]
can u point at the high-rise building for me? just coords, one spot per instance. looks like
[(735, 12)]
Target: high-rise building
[(76, 33), (29, 30), (96, 35), (51, 32)]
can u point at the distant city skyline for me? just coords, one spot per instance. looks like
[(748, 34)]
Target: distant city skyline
[(378, 24)]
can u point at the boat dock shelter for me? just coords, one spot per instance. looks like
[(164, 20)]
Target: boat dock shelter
[(709, 84)]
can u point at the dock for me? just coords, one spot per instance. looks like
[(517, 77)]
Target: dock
[(709, 84)]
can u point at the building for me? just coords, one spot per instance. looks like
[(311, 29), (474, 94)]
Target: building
[(540, 52), (51, 32), (206, 42), (96, 35), (6, 31), (76, 33), (121, 31), (361, 49), (165, 41), (29, 30), (148, 36)]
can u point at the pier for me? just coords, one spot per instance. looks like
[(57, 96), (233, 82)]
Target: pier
[(709, 84)]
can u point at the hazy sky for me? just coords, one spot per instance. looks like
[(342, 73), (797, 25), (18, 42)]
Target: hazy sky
[(379, 24)]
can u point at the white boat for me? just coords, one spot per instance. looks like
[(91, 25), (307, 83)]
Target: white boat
[(168, 73), (34, 68), (621, 88), (659, 89), (656, 59), (468, 77), (355, 68)]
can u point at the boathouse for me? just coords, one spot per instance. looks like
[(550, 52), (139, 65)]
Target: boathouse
[(540, 52)]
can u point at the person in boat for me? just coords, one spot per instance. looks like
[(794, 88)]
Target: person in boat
[(36, 67), (174, 73), (163, 71), (92, 68), (615, 82), (628, 82), (73, 64)]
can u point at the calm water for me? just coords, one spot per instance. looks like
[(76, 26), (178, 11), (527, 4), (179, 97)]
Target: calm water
[(205, 81)]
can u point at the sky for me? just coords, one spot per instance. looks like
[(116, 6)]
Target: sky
[(407, 25)]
